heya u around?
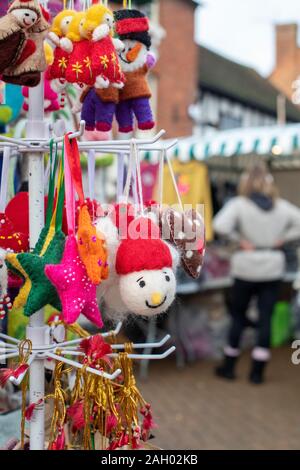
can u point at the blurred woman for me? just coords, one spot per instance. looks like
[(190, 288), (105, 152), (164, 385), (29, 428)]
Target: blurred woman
[(261, 223)]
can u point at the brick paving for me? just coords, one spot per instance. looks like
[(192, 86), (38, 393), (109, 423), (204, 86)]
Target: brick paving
[(195, 410)]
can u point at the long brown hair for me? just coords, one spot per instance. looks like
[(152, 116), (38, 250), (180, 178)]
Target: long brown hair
[(257, 179)]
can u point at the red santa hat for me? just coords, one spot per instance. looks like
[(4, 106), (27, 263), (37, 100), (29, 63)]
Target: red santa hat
[(143, 253)]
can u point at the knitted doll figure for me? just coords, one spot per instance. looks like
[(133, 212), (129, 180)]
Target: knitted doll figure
[(59, 30), (98, 108), (98, 25), (77, 44), (13, 27), (26, 70), (132, 28)]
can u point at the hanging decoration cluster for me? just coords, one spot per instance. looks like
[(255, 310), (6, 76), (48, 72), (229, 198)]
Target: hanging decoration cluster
[(106, 55)]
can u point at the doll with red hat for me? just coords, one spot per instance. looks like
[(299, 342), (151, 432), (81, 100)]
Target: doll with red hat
[(132, 28)]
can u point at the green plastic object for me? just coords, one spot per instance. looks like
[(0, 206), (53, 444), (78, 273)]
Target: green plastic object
[(281, 326)]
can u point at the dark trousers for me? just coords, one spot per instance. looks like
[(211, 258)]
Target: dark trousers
[(242, 293)]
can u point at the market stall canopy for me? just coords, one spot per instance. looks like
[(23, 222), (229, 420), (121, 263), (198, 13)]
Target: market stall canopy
[(273, 140)]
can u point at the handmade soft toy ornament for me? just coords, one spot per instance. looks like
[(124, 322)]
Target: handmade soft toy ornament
[(77, 44), (91, 247), (132, 28), (10, 239), (37, 291), (30, 62), (4, 298), (186, 231), (98, 26), (145, 266), (59, 30), (76, 291), (98, 108)]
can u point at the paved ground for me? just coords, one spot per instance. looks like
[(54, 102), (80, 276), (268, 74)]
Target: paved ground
[(195, 410)]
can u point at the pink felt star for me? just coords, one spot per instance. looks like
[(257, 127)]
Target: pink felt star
[(75, 290)]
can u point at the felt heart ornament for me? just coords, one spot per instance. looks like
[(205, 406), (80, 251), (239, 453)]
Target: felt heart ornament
[(187, 233), (10, 239)]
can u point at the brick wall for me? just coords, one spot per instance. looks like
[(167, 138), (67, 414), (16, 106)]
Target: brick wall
[(287, 67), (177, 69)]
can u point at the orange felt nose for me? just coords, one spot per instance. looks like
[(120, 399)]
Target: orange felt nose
[(132, 55)]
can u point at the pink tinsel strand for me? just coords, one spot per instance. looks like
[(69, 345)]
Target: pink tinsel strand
[(6, 374)]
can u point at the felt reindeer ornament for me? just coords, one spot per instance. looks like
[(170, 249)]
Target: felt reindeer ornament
[(132, 28), (98, 25), (59, 30), (70, 278), (26, 70)]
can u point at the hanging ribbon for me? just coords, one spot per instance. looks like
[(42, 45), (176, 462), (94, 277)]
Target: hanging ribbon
[(120, 177), (69, 189), (73, 156), (4, 178), (91, 173)]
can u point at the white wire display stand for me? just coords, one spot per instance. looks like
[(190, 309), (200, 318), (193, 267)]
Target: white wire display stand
[(35, 145)]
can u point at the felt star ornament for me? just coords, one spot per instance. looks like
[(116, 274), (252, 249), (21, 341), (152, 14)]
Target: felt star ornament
[(42, 291), (92, 249), (75, 290), (14, 265)]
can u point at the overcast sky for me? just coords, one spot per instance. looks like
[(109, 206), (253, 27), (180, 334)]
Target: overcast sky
[(244, 29)]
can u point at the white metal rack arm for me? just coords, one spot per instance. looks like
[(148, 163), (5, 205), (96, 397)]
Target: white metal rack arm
[(57, 357)]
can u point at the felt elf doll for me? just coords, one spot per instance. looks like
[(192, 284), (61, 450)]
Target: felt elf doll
[(59, 30), (132, 28), (4, 298), (26, 70), (77, 44), (98, 25)]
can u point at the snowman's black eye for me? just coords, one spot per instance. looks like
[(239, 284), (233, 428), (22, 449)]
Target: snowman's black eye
[(26, 14), (142, 284), (168, 278)]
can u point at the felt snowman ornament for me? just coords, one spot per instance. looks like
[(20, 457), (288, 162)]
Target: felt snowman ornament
[(59, 30), (26, 69), (146, 278), (132, 28)]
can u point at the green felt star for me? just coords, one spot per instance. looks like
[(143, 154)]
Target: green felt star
[(42, 292)]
